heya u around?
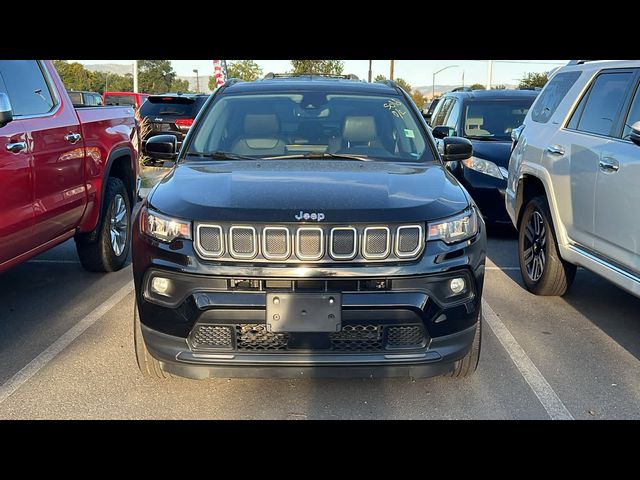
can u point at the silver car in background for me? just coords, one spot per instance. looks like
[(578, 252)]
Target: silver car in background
[(573, 190)]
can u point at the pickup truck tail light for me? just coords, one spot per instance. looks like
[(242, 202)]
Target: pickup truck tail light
[(184, 123)]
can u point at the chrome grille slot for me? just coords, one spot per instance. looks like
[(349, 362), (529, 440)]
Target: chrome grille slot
[(310, 243), (343, 243), (210, 240), (243, 242), (376, 242), (409, 240), (275, 243)]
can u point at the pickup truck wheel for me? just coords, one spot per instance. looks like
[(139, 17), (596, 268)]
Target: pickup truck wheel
[(543, 271), (109, 252), (467, 365), (149, 366)]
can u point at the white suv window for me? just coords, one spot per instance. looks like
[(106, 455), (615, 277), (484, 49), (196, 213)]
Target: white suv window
[(633, 117), (552, 95), (600, 107)]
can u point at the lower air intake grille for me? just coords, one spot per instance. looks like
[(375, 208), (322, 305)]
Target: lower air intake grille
[(209, 336), (357, 338), (257, 337), (405, 336)]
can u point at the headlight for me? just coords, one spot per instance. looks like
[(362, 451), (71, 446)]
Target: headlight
[(483, 166), (164, 228), (455, 229)]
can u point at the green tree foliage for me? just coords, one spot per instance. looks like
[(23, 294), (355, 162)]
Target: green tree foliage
[(404, 85), (112, 82), (323, 67), (500, 86), (478, 86), (533, 79), (155, 76), (212, 82), (418, 99), (379, 78), (75, 77), (247, 70), (179, 85)]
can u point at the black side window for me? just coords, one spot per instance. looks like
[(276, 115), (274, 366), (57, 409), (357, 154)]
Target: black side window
[(24, 82), (442, 111), (633, 116), (600, 107), (454, 114), (553, 93)]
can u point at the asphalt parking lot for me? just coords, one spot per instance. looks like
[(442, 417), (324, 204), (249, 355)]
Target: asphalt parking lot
[(66, 351)]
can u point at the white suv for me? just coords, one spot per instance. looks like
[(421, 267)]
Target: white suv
[(573, 190)]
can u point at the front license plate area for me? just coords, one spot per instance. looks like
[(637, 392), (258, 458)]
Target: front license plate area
[(304, 312)]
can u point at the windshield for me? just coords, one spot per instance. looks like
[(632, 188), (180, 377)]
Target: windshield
[(171, 106), (495, 119), (318, 124), (122, 100)]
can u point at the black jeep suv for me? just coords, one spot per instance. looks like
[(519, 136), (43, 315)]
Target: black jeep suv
[(308, 228)]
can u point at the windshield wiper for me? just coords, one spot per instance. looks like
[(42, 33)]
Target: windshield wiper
[(483, 137), (223, 156), (362, 158)]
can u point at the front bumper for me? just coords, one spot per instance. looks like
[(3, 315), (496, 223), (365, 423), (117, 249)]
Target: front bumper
[(378, 301)]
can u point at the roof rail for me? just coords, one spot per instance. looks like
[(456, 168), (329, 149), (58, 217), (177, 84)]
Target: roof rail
[(271, 75), (232, 81), (461, 89), (580, 62)]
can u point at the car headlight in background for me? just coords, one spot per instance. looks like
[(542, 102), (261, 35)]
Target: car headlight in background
[(163, 227), (455, 229), (485, 166)]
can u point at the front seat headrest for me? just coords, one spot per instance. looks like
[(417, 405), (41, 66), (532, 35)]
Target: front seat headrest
[(359, 129)]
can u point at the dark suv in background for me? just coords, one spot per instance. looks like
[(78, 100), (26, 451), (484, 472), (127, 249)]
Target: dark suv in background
[(486, 118), (169, 113), (309, 227)]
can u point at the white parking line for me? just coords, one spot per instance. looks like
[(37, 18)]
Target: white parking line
[(52, 261), (545, 393), (34, 366), (502, 268)]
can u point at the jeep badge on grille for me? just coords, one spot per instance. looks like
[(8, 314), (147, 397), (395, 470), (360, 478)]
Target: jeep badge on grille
[(310, 216)]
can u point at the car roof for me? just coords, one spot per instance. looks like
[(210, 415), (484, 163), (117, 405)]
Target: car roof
[(180, 95), (311, 83), (493, 94), (81, 91), (129, 94), (596, 65)]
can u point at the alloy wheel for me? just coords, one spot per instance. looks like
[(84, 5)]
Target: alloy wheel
[(119, 225), (535, 246)]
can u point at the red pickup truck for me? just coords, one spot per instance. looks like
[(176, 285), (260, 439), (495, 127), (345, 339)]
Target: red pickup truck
[(63, 172)]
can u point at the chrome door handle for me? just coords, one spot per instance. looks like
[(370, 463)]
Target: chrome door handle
[(16, 147), (608, 165), (72, 137), (555, 149)]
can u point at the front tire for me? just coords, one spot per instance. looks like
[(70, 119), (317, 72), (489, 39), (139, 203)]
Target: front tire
[(109, 251), (543, 271), (467, 365), (149, 366)]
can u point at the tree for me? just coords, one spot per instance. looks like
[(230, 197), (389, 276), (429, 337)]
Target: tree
[(478, 86), (111, 81), (212, 83), (73, 75), (322, 67), (418, 99), (533, 79), (155, 76), (247, 70), (179, 85), (379, 78), (500, 86), (404, 85)]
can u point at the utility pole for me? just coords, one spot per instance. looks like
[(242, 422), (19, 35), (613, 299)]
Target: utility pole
[(135, 76), (106, 81), (195, 70), (391, 70), (462, 78), (489, 74), (433, 87), (370, 64)]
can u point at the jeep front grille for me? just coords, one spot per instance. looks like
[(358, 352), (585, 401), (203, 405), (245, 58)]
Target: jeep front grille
[(293, 243)]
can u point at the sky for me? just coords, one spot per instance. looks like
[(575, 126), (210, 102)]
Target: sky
[(418, 73)]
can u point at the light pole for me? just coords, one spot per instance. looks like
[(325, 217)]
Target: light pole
[(370, 62), (195, 70), (135, 76), (433, 88), (391, 68), (106, 81)]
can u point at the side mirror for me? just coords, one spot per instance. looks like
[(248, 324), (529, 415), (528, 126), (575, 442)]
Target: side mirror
[(162, 147), (6, 112), (635, 133), (456, 149), (427, 116), (441, 132)]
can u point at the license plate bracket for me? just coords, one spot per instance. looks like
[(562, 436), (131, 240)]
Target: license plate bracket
[(304, 312)]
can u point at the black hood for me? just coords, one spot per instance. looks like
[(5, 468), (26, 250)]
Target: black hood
[(496, 152), (276, 190)]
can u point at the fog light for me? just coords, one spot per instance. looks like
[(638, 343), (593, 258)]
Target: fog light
[(457, 285), (160, 285)]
